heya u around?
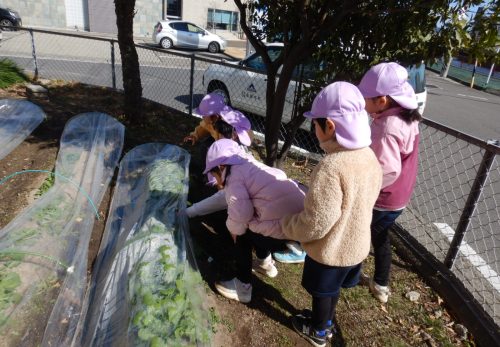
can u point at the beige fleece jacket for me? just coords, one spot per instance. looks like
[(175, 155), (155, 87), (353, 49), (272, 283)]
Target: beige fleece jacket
[(334, 227)]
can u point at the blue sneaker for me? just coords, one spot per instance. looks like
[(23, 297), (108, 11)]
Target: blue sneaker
[(303, 327), (289, 257), (330, 328)]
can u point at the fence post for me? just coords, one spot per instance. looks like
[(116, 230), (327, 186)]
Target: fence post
[(113, 72), (191, 86), (33, 53), (470, 205)]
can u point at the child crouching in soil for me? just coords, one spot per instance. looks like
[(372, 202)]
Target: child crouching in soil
[(334, 227), (257, 197)]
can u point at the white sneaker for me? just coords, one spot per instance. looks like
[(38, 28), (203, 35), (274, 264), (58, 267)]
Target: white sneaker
[(380, 292), (235, 289), (265, 266)]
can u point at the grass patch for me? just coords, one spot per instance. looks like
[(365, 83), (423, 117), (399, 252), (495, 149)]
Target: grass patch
[(10, 74), (46, 185)]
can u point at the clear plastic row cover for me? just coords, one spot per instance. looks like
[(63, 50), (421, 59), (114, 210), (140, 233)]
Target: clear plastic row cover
[(145, 288), (43, 251), (18, 118)]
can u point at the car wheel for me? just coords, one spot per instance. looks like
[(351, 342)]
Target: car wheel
[(213, 47), (7, 23), (219, 88), (166, 43)]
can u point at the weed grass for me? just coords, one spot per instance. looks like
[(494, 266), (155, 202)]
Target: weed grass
[(10, 74)]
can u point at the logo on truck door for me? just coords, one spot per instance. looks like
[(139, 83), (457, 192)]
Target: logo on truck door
[(250, 93)]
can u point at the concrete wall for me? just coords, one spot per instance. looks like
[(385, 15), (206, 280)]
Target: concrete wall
[(102, 17), (39, 13), (148, 13), (197, 11)]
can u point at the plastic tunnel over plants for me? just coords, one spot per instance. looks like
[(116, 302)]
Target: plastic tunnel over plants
[(18, 118), (43, 251), (145, 289)]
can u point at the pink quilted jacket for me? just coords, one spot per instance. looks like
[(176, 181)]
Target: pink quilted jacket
[(258, 196)]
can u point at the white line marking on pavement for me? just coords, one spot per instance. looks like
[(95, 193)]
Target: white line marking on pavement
[(472, 256), (474, 97)]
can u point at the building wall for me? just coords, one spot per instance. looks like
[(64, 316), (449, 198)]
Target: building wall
[(148, 13), (100, 15), (39, 13), (197, 11)]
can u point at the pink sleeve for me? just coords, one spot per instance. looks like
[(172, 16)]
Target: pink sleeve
[(387, 152), (239, 207)]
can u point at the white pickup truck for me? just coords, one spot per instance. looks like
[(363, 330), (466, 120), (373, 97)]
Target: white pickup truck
[(244, 89)]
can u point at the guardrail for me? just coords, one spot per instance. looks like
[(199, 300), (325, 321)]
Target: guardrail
[(452, 222)]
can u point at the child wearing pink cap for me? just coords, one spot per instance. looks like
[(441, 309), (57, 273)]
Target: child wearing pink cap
[(213, 108), (257, 197), (392, 104), (334, 227)]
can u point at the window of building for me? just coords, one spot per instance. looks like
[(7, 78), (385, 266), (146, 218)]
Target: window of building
[(174, 8), (224, 20)]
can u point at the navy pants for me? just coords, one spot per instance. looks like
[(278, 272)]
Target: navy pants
[(324, 282), (382, 221)]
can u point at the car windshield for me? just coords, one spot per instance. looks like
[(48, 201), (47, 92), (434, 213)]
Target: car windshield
[(416, 77), (256, 62)]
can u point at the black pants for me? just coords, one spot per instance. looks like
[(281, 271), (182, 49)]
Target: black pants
[(381, 223), (323, 310), (243, 253)]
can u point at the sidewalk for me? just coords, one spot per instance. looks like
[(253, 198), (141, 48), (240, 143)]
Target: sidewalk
[(464, 76)]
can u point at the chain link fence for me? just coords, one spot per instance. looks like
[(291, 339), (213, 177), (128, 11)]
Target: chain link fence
[(454, 212)]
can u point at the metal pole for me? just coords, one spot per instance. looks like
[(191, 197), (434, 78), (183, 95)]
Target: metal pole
[(191, 86), (113, 72), (470, 205), (473, 74), (33, 53), (491, 70)]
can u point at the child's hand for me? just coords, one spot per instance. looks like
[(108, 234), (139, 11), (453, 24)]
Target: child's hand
[(190, 138)]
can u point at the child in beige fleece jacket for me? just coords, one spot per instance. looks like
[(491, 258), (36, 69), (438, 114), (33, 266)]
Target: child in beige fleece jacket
[(334, 227)]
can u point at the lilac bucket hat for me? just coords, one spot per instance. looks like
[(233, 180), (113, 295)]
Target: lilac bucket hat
[(211, 104), (389, 79), (345, 106), (239, 122), (224, 152)]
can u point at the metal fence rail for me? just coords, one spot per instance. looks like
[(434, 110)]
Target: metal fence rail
[(454, 213)]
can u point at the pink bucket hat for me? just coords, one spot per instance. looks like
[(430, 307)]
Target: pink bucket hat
[(345, 106), (389, 79), (239, 122), (224, 152), (211, 104)]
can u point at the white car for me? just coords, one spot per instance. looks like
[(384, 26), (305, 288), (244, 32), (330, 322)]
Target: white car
[(416, 77), (177, 33), (246, 89)]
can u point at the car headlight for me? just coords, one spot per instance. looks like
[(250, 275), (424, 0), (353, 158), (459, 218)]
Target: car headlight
[(13, 14)]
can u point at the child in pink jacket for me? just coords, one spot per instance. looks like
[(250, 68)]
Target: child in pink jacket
[(392, 104), (257, 197)]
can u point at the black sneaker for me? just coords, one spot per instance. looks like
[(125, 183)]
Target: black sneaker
[(303, 326), (330, 329)]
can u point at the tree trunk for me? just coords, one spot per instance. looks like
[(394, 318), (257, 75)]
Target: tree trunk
[(446, 68), (130, 62)]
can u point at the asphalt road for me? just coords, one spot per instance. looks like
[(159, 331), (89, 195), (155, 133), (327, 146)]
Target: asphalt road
[(468, 110)]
